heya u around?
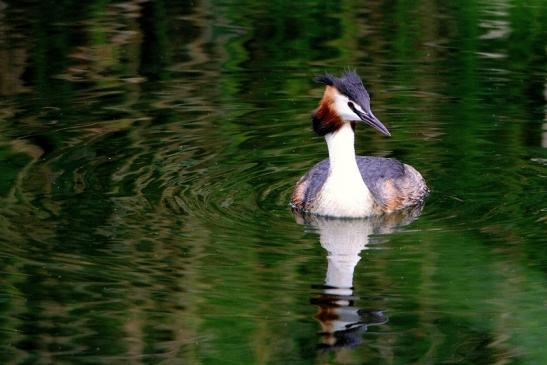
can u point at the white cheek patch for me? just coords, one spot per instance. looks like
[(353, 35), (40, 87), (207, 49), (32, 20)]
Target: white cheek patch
[(343, 110), (358, 107)]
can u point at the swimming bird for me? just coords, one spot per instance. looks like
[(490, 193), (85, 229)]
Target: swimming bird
[(346, 185)]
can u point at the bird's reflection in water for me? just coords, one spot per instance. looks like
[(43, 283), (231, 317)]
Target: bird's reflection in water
[(342, 321)]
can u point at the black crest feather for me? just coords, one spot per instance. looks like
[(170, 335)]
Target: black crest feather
[(326, 79), (349, 84)]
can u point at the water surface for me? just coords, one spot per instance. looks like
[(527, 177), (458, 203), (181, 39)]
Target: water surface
[(148, 151)]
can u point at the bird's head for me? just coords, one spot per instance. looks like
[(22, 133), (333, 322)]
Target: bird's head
[(345, 101)]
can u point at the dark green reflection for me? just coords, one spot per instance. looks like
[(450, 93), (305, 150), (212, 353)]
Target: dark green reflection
[(148, 150)]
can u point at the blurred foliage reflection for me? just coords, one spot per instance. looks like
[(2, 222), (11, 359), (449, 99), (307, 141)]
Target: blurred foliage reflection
[(148, 149)]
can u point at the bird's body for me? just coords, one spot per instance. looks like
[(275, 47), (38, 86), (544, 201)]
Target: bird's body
[(346, 185)]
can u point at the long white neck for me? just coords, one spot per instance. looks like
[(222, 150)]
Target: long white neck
[(344, 193), (342, 150)]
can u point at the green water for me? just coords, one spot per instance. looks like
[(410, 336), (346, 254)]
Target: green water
[(148, 151)]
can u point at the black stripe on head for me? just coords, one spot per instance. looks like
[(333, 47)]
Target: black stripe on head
[(349, 84), (326, 79)]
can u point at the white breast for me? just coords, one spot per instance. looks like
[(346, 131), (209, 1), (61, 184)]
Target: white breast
[(344, 193), (344, 196)]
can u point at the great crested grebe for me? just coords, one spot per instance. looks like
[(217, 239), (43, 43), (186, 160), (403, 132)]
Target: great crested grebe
[(346, 185)]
